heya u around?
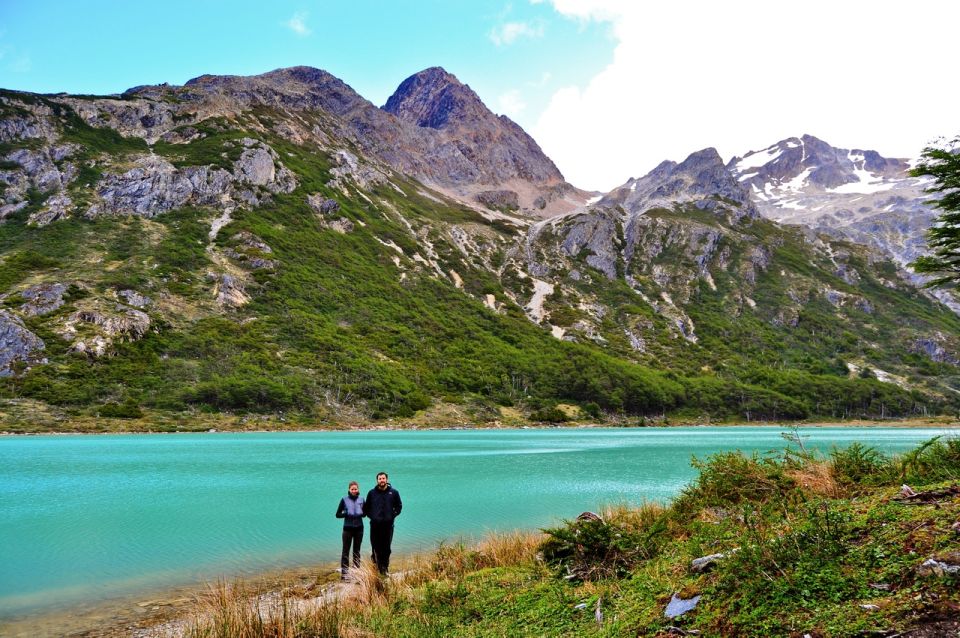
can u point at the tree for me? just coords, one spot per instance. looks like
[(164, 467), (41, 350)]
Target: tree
[(943, 164)]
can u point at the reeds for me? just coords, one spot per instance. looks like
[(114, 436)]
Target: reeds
[(236, 611)]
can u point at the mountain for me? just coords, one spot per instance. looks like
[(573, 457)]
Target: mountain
[(502, 152), (852, 194), (277, 244)]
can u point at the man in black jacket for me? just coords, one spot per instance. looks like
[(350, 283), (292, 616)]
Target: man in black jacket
[(382, 505)]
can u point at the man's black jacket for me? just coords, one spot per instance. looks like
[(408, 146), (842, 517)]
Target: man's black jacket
[(382, 506)]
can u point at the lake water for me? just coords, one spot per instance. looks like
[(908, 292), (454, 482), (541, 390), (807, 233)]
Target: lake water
[(89, 517)]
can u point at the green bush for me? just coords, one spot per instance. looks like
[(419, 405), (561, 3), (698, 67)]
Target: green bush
[(126, 410), (858, 464), (549, 415), (591, 549)]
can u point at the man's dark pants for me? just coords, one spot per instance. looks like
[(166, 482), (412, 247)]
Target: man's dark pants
[(351, 536), (381, 536)]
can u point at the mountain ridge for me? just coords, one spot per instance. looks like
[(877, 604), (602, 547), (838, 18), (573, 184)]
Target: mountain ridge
[(234, 245)]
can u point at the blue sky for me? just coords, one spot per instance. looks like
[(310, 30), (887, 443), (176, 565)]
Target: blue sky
[(518, 51), (608, 88)]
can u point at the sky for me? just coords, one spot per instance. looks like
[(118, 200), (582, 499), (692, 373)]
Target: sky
[(608, 88)]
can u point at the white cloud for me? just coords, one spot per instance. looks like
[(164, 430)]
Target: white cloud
[(509, 32), (298, 23), (740, 76), (511, 103)]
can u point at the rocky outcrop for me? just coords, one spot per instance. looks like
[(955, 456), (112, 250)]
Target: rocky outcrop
[(229, 291), (250, 251), (43, 170), (134, 298), (126, 324), (323, 205), (94, 330), (42, 299), (17, 343), (155, 186)]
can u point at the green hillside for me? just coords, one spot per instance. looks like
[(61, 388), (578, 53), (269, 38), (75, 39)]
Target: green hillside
[(375, 311)]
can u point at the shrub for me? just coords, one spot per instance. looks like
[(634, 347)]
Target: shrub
[(732, 478), (857, 464), (549, 415), (594, 547), (129, 409)]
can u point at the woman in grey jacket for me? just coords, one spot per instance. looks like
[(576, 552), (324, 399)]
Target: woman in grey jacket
[(350, 510)]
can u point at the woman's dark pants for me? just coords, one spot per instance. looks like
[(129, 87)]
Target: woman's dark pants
[(354, 536)]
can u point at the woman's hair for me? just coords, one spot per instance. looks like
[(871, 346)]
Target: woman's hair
[(352, 483)]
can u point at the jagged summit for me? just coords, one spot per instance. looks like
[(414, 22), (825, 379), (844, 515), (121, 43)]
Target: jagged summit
[(814, 161), (434, 98), (700, 179), (502, 154)]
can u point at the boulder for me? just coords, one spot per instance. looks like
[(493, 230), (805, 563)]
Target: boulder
[(134, 298)]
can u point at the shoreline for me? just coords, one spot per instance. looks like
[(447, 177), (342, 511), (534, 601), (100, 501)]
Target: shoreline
[(931, 422), (135, 613)]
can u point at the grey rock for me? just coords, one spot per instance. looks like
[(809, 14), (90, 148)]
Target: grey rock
[(183, 135), (56, 207), (127, 323), (255, 166), (935, 350), (17, 343), (680, 606), (323, 205), (705, 563), (155, 186), (251, 241), (42, 299), (12, 209), (939, 568), (134, 298), (341, 225), (229, 291)]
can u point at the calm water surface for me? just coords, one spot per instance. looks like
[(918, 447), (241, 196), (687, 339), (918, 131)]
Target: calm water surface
[(88, 517)]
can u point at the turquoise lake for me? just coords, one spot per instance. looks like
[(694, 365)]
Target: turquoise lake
[(89, 517)]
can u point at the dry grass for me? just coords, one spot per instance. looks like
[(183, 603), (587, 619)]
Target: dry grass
[(240, 611), (235, 611), (635, 517), (495, 550), (817, 478)]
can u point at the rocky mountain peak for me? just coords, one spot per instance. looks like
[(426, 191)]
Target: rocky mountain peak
[(434, 98), (491, 150), (853, 194), (808, 160), (700, 179)]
